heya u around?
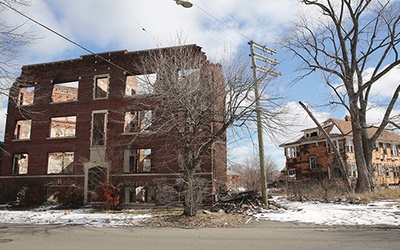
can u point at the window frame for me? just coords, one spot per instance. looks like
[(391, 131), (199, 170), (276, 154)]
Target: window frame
[(21, 98), (96, 112), (313, 162), (133, 164), (141, 117), (19, 127), (95, 87), (16, 170)]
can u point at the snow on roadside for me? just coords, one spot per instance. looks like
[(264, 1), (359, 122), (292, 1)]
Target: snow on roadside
[(86, 217), (383, 213)]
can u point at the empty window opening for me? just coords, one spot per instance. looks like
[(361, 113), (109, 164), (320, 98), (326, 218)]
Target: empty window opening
[(63, 126), (313, 162), (26, 96), (140, 194), (23, 130), (293, 152), (396, 171), (20, 164), (139, 84), (387, 171), (292, 174), (65, 92), (394, 151), (338, 144), (101, 87), (349, 145), (380, 169), (138, 160), (60, 163), (352, 170), (99, 128), (138, 121)]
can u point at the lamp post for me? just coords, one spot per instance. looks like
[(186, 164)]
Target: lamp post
[(186, 4)]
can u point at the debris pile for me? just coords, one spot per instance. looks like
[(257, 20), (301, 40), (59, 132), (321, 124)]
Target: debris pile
[(247, 203)]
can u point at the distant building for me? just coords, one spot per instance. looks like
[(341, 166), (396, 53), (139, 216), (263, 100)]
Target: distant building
[(84, 122), (310, 158)]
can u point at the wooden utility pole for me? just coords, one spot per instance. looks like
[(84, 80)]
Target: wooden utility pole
[(269, 72)]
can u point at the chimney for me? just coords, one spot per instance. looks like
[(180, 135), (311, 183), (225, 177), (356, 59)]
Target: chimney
[(347, 118)]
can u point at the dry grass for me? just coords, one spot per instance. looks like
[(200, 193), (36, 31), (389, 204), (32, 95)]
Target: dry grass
[(334, 191), (201, 220), (379, 194)]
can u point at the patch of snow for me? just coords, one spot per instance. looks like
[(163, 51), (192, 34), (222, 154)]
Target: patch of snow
[(383, 213), (86, 217)]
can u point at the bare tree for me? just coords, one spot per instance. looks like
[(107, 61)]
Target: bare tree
[(12, 38), (197, 101), (346, 41), (249, 171)]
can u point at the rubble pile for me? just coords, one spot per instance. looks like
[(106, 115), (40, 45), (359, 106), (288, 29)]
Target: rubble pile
[(246, 203)]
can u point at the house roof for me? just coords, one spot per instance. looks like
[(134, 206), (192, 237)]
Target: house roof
[(340, 128)]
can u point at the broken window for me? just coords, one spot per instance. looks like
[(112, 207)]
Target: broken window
[(292, 174), (380, 169), (293, 152), (377, 146), (387, 171), (138, 160), (138, 121), (338, 144), (394, 151), (140, 194), (349, 145), (352, 170), (101, 87), (63, 126), (139, 84), (99, 128), (65, 92), (20, 164), (23, 130), (396, 171), (313, 162), (26, 96), (60, 163)]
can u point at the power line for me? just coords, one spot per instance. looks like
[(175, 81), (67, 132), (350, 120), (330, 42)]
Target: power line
[(235, 30), (141, 27), (64, 37)]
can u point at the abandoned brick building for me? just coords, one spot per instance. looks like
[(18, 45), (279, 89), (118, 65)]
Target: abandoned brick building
[(89, 120), (310, 158)]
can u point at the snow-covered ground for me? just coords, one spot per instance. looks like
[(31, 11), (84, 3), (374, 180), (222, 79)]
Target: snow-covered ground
[(384, 213), (86, 217)]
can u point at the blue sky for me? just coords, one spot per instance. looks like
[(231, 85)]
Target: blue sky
[(107, 25)]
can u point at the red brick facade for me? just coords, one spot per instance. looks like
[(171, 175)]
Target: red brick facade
[(75, 131)]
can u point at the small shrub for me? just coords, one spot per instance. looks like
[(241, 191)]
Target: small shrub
[(109, 197), (70, 197)]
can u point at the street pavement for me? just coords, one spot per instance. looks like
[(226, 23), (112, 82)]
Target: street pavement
[(255, 235)]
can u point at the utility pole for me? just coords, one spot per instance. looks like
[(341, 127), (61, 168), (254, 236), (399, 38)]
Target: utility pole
[(266, 69)]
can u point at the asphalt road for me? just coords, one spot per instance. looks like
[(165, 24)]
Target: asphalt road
[(259, 235)]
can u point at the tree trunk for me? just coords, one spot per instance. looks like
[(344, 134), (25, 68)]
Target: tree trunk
[(364, 177), (191, 194)]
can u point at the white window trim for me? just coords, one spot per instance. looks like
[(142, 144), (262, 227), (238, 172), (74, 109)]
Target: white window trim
[(105, 128), (95, 85)]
